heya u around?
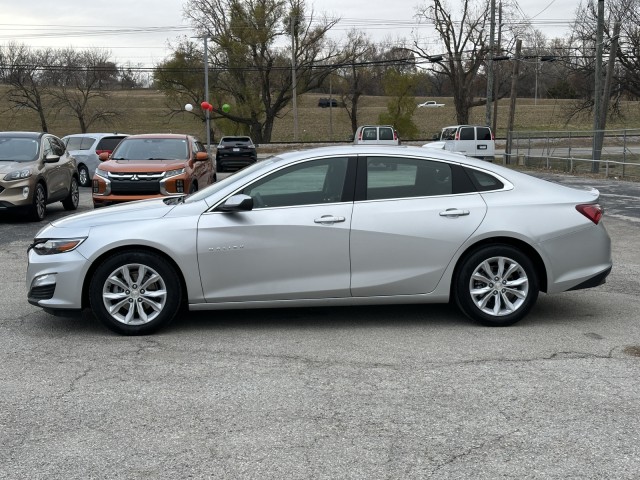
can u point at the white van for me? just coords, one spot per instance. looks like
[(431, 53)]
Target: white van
[(470, 140)]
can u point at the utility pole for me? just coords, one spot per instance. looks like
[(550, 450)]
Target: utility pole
[(487, 119), (597, 95), (512, 105), (294, 86), (495, 83)]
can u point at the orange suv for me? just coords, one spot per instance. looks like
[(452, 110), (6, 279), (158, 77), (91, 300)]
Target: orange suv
[(152, 165)]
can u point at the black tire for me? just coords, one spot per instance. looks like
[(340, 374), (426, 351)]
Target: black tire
[(83, 176), (479, 275), (38, 209), (219, 167), (136, 310), (193, 188), (73, 199)]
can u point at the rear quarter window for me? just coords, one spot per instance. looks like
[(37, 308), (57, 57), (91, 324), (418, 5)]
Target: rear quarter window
[(483, 181), (80, 143)]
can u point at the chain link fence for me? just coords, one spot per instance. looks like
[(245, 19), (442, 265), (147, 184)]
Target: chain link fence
[(572, 151)]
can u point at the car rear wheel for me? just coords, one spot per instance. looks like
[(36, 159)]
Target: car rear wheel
[(38, 208), (496, 285), (135, 293), (72, 200), (83, 174)]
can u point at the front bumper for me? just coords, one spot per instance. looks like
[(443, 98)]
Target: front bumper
[(55, 282)]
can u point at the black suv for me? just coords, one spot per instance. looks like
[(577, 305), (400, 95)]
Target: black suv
[(235, 153), (327, 102)]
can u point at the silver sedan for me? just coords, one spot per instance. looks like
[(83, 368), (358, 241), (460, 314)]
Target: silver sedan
[(350, 225)]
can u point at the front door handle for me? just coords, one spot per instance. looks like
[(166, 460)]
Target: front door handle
[(454, 213), (328, 220)]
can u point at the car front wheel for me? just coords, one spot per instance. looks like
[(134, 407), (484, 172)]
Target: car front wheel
[(38, 208), (135, 293), (496, 285)]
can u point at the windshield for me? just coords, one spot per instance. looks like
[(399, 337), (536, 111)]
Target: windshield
[(152, 149), (216, 187), (19, 149)]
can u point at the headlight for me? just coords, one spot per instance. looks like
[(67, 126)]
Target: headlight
[(58, 245), (173, 173), (102, 173), (18, 174)]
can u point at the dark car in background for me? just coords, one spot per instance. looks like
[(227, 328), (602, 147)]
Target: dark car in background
[(327, 102), (35, 170), (86, 147), (235, 152)]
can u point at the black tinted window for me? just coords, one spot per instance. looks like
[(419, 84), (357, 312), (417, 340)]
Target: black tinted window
[(309, 183), (235, 140), (386, 133), (467, 133), (108, 143), (484, 133), (389, 178), (483, 181)]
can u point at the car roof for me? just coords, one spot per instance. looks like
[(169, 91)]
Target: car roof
[(97, 135), (160, 135), (23, 134)]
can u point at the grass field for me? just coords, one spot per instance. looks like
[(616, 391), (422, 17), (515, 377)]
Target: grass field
[(143, 111)]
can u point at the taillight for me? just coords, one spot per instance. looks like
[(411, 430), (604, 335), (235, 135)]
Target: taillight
[(360, 135), (458, 135), (395, 135), (493, 137), (592, 211)]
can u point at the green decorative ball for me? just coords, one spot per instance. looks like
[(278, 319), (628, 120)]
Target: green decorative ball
[(226, 108)]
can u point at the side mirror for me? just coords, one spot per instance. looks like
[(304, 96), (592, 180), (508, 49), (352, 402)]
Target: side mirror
[(103, 156), (51, 158), (200, 156), (237, 203)]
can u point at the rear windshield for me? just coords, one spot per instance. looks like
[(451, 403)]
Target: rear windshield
[(19, 149), (79, 143), (109, 143), (234, 140), (151, 149)]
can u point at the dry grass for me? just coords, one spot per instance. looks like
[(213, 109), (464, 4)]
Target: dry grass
[(145, 111)]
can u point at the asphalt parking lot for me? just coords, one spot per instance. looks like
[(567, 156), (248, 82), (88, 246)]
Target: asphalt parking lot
[(398, 392)]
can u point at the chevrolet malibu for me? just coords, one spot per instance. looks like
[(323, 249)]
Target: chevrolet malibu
[(350, 225)]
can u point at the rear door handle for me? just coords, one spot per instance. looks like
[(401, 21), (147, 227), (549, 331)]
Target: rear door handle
[(329, 219), (454, 212)]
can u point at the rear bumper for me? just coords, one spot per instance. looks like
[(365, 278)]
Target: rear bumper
[(594, 281)]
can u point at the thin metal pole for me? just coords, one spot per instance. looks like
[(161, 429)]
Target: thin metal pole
[(487, 118), (294, 82), (206, 92)]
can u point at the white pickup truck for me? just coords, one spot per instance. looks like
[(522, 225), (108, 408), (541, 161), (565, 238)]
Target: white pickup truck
[(431, 104)]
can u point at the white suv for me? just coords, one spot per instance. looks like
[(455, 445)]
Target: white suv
[(471, 140), (86, 147)]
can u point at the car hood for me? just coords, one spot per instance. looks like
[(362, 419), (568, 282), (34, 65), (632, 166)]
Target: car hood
[(435, 145), (7, 166), (141, 165), (126, 212)]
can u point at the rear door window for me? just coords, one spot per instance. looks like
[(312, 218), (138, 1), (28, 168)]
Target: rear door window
[(467, 133), (386, 133), (484, 133), (392, 177)]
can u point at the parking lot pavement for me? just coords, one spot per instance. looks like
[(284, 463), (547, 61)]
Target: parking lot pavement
[(360, 393)]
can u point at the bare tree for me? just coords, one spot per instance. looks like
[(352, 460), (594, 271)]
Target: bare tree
[(25, 71), (81, 75), (252, 44), (465, 43), (354, 73)]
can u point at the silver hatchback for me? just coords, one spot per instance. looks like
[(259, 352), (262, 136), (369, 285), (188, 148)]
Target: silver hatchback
[(328, 226)]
